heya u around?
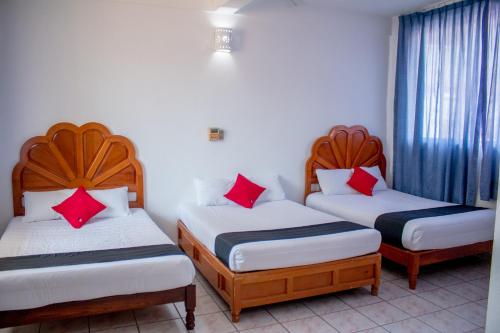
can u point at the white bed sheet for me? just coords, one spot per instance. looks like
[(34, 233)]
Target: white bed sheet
[(209, 221), (31, 288), (420, 234)]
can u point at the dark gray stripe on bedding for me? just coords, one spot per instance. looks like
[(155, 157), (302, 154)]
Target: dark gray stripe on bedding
[(391, 225), (87, 257), (225, 242)]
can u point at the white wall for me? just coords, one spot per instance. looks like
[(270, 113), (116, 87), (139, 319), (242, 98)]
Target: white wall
[(492, 318), (148, 72), (5, 201)]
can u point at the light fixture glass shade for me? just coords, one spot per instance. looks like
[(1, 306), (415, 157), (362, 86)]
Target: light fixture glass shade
[(222, 42)]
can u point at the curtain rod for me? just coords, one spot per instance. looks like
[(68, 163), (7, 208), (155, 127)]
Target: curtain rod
[(439, 4), (431, 7)]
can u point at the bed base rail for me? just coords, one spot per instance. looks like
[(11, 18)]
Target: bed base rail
[(103, 305), (413, 260)]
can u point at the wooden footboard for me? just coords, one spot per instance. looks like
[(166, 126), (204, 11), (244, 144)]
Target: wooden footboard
[(249, 289)]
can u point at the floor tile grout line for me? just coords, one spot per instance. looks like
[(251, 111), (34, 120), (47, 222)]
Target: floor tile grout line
[(458, 315), (379, 326), (230, 321), (412, 316), (247, 329), (446, 288), (218, 306), (423, 322), (440, 308), (136, 323), (450, 285), (279, 322), (416, 318), (482, 300), (323, 319), (328, 312), (284, 327), (222, 310), (397, 321), (367, 316), (444, 308), (177, 310), (428, 324)]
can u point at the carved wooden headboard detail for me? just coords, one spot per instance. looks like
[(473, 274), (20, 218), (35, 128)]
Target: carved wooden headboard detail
[(344, 147), (69, 156)]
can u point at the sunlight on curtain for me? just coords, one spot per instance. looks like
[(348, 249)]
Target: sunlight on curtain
[(445, 107)]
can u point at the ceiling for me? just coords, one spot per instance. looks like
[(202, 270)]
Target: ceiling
[(376, 7)]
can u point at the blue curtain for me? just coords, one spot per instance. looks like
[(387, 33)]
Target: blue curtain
[(446, 110)]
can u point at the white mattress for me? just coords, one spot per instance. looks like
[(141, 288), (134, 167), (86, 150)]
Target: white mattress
[(420, 234), (30, 288), (209, 221)]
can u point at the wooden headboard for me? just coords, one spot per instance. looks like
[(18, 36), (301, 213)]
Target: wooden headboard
[(343, 148), (69, 156)]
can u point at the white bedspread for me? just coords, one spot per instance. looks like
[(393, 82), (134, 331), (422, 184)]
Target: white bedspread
[(30, 288), (420, 234), (207, 222)]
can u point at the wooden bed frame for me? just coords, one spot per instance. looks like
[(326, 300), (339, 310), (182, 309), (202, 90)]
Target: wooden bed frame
[(348, 147), (69, 156), (250, 289)]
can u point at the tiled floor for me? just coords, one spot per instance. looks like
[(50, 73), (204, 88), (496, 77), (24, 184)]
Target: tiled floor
[(450, 297)]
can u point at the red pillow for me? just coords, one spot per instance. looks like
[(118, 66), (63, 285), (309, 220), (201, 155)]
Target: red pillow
[(79, 208), (362, 181), (244, 192)]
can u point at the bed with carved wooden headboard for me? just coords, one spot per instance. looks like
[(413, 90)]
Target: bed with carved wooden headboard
[(67, 157), (343, 148), (349, 147)]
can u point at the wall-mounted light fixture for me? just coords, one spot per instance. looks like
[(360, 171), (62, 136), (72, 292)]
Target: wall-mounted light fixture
[(222, 39)]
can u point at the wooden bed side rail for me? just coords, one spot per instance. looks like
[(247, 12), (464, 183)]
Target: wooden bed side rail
[(413, 260), (103, 305), (250, 289)]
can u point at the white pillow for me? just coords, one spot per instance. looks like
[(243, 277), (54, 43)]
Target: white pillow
[(274, 191), (334, 181), (115, 200), (381, 185), (210, 191), (38, 205)]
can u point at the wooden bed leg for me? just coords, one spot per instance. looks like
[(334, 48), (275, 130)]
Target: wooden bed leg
[(378, 274), (190, 304), (235, 316), (413, 269), (412, 281), (236, 302)]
